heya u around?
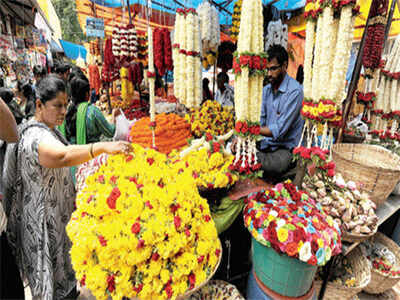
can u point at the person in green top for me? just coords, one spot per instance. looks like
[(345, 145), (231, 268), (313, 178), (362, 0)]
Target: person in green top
[(84, 122)]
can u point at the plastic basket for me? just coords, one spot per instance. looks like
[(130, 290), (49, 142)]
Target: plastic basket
[(284, 275)]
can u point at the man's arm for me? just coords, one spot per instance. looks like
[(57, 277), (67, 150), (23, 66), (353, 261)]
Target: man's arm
[(8, 129)]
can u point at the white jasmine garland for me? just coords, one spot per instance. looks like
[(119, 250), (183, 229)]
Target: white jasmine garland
[(308, 56), (245, 93), (386, 97), (379, 105), (325, 58), (151, 80), (317, 57)]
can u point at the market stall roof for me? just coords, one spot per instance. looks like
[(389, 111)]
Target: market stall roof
[(298, 24), (73, 51)]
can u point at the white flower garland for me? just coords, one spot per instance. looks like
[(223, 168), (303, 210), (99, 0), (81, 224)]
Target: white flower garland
[(198, 88), (152, 70), (308, 56), (317, 57), (325, 57)]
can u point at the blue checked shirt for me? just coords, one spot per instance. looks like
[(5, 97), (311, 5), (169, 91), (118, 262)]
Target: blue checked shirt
[(280, 112)]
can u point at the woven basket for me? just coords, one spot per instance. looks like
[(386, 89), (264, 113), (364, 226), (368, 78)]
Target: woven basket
[(361, 269), (374, 166), (380, 282), (354, 238)]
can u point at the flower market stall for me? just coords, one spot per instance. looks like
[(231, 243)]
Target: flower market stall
[(189, 207)]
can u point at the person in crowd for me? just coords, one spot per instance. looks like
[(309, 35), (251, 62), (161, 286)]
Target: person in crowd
[(11, 286), (9, 98), (224, 94), (84, 122), (26, 96), (207, 95), (40, 194), (300, 74), (63, 71), (39, 72), (281, 122)]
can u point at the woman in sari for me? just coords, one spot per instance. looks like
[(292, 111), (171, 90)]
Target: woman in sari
[(40, 194)]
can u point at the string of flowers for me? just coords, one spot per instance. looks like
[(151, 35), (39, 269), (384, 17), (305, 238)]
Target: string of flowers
[(249, 63), (209, 24), (236, 20), (152, 81), (187, 62)]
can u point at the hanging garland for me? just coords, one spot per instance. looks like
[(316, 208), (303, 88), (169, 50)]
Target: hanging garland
[(209, 24), (186, 53), (236, 20)]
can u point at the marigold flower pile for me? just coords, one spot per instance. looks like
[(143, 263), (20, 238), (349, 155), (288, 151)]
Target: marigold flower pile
[(142, 230), (171, 132), (210, 118), (290, 222)]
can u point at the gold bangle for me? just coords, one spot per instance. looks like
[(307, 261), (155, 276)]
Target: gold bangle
[(91, 151)]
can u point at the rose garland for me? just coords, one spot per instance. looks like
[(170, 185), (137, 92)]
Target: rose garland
[(141, 230), (248, 67), (368, 99), (290, 222)]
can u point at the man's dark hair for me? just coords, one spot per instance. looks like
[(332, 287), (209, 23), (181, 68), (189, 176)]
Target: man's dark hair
[(62, 68), (278, 52), (38, 70), (223, 76)]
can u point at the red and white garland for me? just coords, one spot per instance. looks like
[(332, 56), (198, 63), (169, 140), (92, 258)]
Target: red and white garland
[(248, 87), (186, 53), (124, 43)]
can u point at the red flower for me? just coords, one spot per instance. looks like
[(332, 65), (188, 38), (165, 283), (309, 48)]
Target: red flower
[(217, 252), (245, 128), (150, 160), (83, 280), (192, 281), (91, 197), (312, 261), (209, 137), (140, 244), (135, 228), (112, 199), (148, 204), (299, 235), (101, 179), (306, 153), (168, 290), (139, 288), (110, 283), (216, 147), (238, 126), (174, 208), (314, 246), (244, 60), (207, 218), (331, 172), (102, 240), (177, 222), (187, 232), (113, 179), (129, 157), (292, 249), (200, 259), (155, 256), (84, 214)]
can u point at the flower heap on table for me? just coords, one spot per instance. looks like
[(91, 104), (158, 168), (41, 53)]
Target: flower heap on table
[(386, 112), (172, 132), (351, 209), (329, 34), (210, 162), (186, 55), (236, 20), (248, 88), (210, 118), (292, 223), (142, 230), (372, 58), (342, 274), (382, 259)]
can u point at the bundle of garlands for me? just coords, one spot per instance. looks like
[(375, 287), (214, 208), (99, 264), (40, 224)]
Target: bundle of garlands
[(186, 54), (329, 33), (142, 47), (162, 50), (248, 64), (236, 20), (386, 113), (371, 58)]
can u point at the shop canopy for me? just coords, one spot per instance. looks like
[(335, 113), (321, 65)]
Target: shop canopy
[(73, 51)]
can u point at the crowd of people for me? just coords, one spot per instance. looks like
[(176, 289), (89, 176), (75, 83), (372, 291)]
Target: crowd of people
[(49, 126)]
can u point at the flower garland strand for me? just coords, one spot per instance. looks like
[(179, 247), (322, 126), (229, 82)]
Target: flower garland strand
[(152, 80)]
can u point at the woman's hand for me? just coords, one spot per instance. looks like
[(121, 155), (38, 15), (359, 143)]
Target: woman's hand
[(113, 147), (115, 113)]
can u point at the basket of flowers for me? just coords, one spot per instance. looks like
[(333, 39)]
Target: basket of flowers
[(350, 275), (141, 230), (291, 237), (384, 255)]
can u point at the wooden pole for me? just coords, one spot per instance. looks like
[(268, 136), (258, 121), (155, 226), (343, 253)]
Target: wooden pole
[(354, 79), (389, 22)]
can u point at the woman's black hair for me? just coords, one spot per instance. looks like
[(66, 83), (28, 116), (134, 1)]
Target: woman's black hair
[(6, 94), (278, 52), (49, 87), (80, 88)]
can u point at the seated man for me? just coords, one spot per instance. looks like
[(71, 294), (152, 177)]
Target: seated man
[(224, 94), (281, 123)]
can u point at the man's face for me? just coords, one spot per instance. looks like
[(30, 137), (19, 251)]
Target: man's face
[(276, 72), (221, 83)]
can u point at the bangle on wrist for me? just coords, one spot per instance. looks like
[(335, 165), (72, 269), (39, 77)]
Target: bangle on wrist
[(91, 151)]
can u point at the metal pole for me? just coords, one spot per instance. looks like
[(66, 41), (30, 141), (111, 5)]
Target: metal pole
[(129, 11), (354, 79), (389, 22)]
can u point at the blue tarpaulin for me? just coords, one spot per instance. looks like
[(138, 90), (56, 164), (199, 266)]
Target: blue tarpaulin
[(72, 50), (225, 18)]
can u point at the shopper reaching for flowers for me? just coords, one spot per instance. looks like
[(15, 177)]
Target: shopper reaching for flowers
[(40, 193)]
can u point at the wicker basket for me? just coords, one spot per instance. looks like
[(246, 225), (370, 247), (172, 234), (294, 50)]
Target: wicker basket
[(361, 268), (354, 238), (380, 282), (374, 166)]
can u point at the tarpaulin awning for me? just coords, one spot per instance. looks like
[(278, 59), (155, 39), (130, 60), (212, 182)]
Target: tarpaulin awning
[(55, 47), (73, 51)]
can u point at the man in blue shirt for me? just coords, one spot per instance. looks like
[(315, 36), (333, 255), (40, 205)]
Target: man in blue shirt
[(281, 123)]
